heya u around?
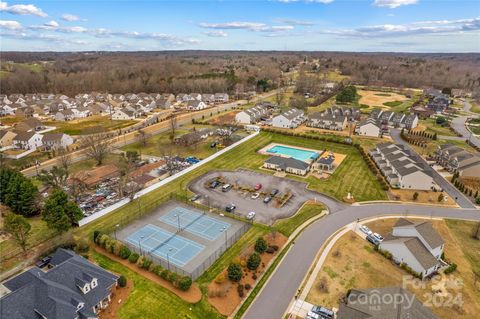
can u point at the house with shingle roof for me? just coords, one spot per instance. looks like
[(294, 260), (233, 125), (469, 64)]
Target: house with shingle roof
[(252, 115), (27, 140), (196, 105), (376, 304), (73, 288), (416, 244), (289, 119), (287, 164), (30, 124), (456, 159), (6, 138), (65, 115), (123, 114), (56, 141)]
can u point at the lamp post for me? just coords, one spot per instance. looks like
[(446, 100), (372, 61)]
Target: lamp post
[(168, 258), (140, 244), (178, 220)]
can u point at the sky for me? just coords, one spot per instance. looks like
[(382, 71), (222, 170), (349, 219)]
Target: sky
[(301, 25)]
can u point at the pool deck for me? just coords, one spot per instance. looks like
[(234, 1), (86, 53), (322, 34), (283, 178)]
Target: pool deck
[(264, 150)]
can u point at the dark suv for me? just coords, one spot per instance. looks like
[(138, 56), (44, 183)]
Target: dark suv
[(230, 207)]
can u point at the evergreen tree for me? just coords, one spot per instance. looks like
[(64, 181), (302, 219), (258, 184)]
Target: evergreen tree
[(59, 212), (19, 227), (18, 192)]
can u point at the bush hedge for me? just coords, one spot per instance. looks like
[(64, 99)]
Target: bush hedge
[(253, 261), (261, 245), (122, 281), (235, 272)]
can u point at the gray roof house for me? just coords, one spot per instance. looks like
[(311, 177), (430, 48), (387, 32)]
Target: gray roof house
[(370, 304), (289, 119), (287, 164), (73, 289), (416, 244), (252, 115), (457, 159)]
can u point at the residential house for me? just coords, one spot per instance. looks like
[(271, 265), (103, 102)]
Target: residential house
[(73, 288), (375, 304), (196, 105), (65, 115), (6, 110), (252, 115), (415, 244), (182, 97), (30, 124), (27, 140), (287, 164), (26, 111), (324, 163), (390, 119), (401, 169), (456, 159), (208, 98), (169, 97), (289, 119), (369, 127), (55, 141), (196, 96), (328, 121), (123, 114), (92, 177), (6, 138), (221, 97), (422, 112), (163, 103)]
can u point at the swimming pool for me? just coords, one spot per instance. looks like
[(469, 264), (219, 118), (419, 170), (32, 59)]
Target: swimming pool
[(296, 153)]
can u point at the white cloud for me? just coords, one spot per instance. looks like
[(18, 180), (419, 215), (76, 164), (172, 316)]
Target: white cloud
[(22, 9), (10, 25), (307, 1), (70, 17), (217, 34), (296, 22), (252, 26), (392, 4), (53, 24), (76, 29)]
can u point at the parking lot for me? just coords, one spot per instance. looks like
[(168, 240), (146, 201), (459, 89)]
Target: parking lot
[(243, 183)]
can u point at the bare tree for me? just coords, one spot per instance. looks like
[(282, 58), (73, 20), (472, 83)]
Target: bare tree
[(173, 127), (143, 136), (64, 159), (279, 96), (97, 146)]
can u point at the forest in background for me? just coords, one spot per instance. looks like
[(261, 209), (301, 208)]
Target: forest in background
[(225, 71)]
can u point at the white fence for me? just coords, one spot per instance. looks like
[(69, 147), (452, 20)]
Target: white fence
[(167, 180)]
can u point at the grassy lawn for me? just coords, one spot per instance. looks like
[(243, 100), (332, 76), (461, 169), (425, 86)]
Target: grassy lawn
[(160, 145), (91, 163), (475, 106), (475, 129), (150, 300), (357, 265), (289, 225), (432, 127), (80, 126)]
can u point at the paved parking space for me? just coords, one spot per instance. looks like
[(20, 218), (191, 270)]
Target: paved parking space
[(265, 213)]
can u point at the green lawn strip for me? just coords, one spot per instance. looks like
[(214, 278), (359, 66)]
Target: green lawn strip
[(150, 300), (288, 225), (433, 127), (79, 127), (393, 103), (463, 231)]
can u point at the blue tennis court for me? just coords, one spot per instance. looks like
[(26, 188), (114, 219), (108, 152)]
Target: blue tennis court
[(196, 223), (166, 245)]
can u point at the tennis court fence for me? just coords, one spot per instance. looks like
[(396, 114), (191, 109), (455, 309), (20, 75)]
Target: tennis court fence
[(204, 265)]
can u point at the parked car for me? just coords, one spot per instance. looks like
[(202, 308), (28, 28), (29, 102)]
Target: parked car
[(378, 236), (274, 192), (43, 262), (230, 207), (255, 195), (267, 199), (251, 215), (323, 312), (213, 144), (214, 184), (313, 315), (226, 187), (365, 230), (258, 187), (373, 240), (195, 198)]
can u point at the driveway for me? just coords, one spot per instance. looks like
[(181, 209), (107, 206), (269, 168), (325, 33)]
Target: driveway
[(453, 192), (280, 289), (265, 213)]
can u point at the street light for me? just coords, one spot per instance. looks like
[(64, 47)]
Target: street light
[(140, 244), (178, 220), (168, 258)]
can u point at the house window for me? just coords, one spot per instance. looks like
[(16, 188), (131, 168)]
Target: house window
[(86, 288), (94, 283)]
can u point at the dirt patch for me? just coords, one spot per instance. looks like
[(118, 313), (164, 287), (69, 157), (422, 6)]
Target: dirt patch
[(119, 296), (223, 119), (424, 197), (193, 295), (223, 294), (377, 98)]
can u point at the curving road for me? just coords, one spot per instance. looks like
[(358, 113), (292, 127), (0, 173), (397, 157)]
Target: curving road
[(275, 297)]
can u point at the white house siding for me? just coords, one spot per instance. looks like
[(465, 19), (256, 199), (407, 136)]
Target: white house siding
[(417, 180), (369, 130), (401, 254), (243, 118), (281, 121)]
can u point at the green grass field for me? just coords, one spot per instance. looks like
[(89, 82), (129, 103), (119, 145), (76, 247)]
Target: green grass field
[(289, 225), (79, 127), (392, 103), (150, 300), (433, 127)]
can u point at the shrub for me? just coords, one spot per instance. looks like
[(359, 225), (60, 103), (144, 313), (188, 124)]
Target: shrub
[(275, 247), (248, 286), (96, 234), (185, 283), (124, 252), (157, 270), (172, 277), (122, 281), (323, 285), (270, 250), (165, 274), (415, 196), (133, 258), (235, 272), (220, 279), (82, 246), (102, 239), (240, 291), (451, 268), (254, 276), (253, 261), (146, 263), (140, 261), (260, 245)]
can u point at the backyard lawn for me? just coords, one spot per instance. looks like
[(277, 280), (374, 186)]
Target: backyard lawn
[(82, 126), (150, 300)]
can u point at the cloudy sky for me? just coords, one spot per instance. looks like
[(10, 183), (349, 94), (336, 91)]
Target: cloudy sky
[(323, 25)]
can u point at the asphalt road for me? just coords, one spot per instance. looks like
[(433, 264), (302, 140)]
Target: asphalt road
[(274, 299), (458, 124), (453, 192)]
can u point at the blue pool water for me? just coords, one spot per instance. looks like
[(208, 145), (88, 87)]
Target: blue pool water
[(296, 153)]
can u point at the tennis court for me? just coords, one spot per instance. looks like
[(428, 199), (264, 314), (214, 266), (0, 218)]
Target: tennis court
[(196, 223), (161, 243)]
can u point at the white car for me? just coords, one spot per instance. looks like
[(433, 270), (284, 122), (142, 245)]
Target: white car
[(366, 230), (255, 195), (378, 236), (251, 215)]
